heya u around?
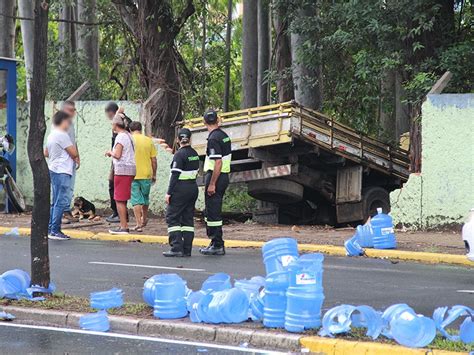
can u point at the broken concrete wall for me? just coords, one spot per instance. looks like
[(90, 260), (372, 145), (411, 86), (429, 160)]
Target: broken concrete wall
[(443, 193)]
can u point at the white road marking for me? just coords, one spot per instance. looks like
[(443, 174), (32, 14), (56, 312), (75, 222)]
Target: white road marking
[(146, 266), (466, 291), (137, 337)]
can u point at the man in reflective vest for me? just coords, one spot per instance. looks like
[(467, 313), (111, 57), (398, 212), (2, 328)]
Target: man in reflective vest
[(216, 178)]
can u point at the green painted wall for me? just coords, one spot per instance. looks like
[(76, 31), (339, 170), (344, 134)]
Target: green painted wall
[(444, 191), (93, 131)]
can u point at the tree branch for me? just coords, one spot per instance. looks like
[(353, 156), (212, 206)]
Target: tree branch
[(181, 20), (128, 12)]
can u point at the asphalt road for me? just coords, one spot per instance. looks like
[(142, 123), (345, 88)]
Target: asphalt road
[(80, 267), (18, 339)]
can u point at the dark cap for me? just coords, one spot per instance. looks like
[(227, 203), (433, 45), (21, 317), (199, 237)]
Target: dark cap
[(184, 133), (210, 117)]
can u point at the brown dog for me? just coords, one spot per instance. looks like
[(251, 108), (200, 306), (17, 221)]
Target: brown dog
[(83, 209)]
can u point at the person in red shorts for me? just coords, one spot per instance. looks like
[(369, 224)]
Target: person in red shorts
[(123, 157)]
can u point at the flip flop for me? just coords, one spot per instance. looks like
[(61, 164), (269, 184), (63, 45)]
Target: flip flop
[(138, 229)]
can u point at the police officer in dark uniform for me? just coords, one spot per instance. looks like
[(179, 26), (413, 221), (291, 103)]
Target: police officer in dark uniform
[(181, 197), (216, 169)]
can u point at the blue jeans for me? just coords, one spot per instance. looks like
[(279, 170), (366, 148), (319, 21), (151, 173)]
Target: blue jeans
[(60, 186), (71, 190)]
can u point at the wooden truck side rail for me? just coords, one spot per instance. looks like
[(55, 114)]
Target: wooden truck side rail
[(281, 123)]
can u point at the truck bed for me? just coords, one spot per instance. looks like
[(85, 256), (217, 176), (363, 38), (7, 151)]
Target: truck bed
[(286, 122)]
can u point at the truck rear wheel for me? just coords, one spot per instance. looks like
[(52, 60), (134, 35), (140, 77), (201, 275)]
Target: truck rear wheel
[(373, 198), (278, 191)]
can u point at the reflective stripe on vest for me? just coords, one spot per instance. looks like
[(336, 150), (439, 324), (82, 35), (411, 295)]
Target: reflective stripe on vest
[(188, 175), (210, 163)]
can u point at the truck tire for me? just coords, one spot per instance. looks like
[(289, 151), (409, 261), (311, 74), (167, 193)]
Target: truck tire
[(373, 198), (14, 194), (278, 191)]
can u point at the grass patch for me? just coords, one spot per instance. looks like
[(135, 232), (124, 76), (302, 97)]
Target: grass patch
[(63, 302)]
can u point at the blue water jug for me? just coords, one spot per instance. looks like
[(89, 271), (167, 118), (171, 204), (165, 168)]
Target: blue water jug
[(279, 253), (352, 247), (98, 322), (305, 293), (15, 282), (382, 226), (227, 306), (257, 305), (365, 235), (170, 293), (217, 282), (149, 290), (276, 285), (250, 287), (107, 299)]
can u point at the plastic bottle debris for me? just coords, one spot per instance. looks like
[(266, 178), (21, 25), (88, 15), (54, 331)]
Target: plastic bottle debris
[(98, 322), (169, 297), (353, 247), (468, 235), (107, 299), (276, 285), (407, 328), (279, 253), (252, 289), (217, 282), (14, 232), (466, 331), (6, 316), (340, 319), (442, 321), (149, 290), (305, 293), (14, 284), (365, 235), (226, 306), (382, 226), (256, 307)]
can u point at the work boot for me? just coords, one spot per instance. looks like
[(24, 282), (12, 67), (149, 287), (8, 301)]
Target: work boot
[(213, 250), (171, 254)]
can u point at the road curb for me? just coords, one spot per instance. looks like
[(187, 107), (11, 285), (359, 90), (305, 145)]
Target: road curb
[(178, 329), (340, 346), (175, 329), (423, 257)]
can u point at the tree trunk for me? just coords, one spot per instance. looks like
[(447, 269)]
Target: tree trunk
[(26, 9), (284, 83), (228, 47), (88, 35), (307, 79), (157, 57), (249, 54), (7, 42), (203, 57), (263, 52), (40, 273), (66, 30), (402, 111), (387, 106)]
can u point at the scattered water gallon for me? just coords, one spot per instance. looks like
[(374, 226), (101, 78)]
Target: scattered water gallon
[(468, 235), (98, 322), (279, 253), (257, 305), (149, 290), (217, 282), (250, 287), (466, 331), (365, 235), (192, 303), (276, 285), (444, 318), (14, 232), (340, 319), (107, 299), (413, 330), (15, 282), (382, 226), (352, 247), (390, 313), (305, 293), (170, 293), (227, 306)]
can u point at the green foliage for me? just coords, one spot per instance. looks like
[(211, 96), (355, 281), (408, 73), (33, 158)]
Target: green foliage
[(237, 199)]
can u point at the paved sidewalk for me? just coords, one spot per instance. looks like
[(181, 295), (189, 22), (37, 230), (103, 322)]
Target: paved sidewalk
[(431, 242)]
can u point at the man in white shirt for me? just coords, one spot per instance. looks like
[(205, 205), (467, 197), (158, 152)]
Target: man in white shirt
[(70, 108), (62, 156)]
